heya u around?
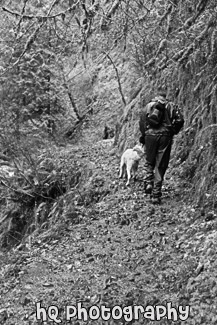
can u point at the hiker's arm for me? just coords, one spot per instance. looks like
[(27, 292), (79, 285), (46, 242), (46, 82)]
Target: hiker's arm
[(142, 122), (177, 118), (142, 126)]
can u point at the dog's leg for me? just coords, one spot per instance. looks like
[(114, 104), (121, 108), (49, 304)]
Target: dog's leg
[(125, 171), (129, 167), (134, 173), (134, 170), (121, 169)]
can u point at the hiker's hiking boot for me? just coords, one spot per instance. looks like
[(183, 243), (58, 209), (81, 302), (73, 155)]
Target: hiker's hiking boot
[(156, 200), (148, 189)]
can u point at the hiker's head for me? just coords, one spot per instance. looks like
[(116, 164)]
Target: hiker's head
[(162, 92), (160, 105)]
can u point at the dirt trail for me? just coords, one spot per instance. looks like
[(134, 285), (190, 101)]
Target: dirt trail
[(125, 252)]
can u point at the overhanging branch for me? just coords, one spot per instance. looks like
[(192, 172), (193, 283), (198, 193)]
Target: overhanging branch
[(40, 17)]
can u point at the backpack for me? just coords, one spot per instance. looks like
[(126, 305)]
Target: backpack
[(156, 115)]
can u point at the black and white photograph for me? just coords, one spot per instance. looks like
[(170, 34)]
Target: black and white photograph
[(108, 162)]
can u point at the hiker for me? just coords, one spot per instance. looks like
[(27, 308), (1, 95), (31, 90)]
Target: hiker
[(159, 121)]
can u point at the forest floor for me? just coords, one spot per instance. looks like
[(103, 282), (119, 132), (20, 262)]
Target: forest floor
[(124, 252)]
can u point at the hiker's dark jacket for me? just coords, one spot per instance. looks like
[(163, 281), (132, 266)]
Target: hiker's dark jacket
[(166, 127)]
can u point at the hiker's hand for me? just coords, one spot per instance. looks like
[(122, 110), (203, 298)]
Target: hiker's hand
[(142, 139)]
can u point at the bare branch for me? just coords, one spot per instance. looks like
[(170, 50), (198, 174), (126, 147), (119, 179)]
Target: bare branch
[(21, 16), (32, 37), (66, 86), (118, 77), (41, 17), (109, 14)]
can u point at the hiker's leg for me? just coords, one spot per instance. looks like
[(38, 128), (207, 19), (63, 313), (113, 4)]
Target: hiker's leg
[(151, 151), (162, 162)]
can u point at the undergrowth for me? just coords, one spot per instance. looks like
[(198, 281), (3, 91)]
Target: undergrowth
[(44, 188)]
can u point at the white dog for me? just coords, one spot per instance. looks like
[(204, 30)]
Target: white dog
[(130, 162)]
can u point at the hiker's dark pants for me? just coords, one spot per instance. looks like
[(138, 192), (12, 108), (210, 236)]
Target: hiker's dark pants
[(158, 148)]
